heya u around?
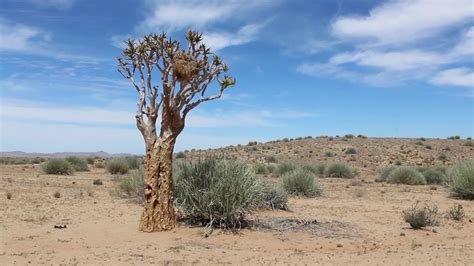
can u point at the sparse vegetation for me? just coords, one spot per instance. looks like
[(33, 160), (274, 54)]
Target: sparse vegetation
[(461, 180), (406, 175), (79, 164), (454, 137), (21, 160), (469, 143), (261, 169), (284, 168), (90, 160), (117, 166), (442, 157), (351, 150), (131, 186), (301, 182), (329, 154), (456, 213), (271, 159), (180, 155), (57, 167), (339, 170), (133, 162), (97, 182), (421, 216)]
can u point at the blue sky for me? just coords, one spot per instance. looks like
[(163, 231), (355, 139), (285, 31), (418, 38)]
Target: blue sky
[(379, 68)]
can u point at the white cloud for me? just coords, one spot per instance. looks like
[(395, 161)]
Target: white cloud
[(462, 77), (59, 4), (465, 46), (17, 37), (404, 21), (395, 61), (220, 40)]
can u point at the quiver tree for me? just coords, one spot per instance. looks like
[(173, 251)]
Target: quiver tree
[(184, 76)]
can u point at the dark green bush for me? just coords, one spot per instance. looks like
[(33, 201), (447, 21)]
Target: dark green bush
[(461, 180), (349, 136), (132, 186), (133, 162), (302, 183), (57, 167), (216, 192), (361, 136), (285, 167), (117, 166), (385, 172), (339, 170), (421, 216), (271, 196), (271, 159), (79, 164), (406, 175), (351, 150)]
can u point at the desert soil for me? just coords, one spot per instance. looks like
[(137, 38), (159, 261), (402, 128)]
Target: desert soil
[(352, 223)]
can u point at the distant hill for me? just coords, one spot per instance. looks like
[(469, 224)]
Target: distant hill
[(101, 154)]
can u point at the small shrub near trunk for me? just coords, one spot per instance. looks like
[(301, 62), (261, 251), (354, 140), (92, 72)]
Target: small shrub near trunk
[(131, 186)]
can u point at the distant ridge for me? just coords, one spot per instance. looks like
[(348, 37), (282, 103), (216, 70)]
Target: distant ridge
[(102, 154)]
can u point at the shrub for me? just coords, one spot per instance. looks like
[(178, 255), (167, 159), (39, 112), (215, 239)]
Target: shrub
[(180, 155), (329, 154), (284, 168), (133, 162), (286, 140), (331, 138), (117, 166), (339, 170), (456, 212), (419, 217), (9, 195), (385, 172), (317, 169), (435, 175), (351, 150), (361, 136), (454, 137), (57, 167), (406, 175), (443, 157), (97, 182), (215, 192), (271, 196), (461, 180), (79, 164), (90, 160), (302, 183), (419, 143), (57, 194), (261, 169), (349, 136), (99, 164), (132, 186), (428, 147), (252, 143), (469, 143), (422, 139), (447, 149), (271, 159), (271, 168)]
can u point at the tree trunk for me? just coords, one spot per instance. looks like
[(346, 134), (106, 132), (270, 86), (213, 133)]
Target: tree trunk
[(158, 213)]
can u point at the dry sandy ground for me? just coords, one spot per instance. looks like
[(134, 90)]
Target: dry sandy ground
[(358, 223)]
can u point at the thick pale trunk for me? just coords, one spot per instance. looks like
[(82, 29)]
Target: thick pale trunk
[(158, 213)]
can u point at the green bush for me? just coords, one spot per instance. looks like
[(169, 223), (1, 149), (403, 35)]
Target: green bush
[(271, 196), (79, 164), (285, 167), (469, 143), (456, 212), (329, 154), (271, 159), (454, 137), (349, 136), (180, 155), (261, 169), (57, 167), (133, 162), (216, 192), (351, 150), (406, 175), (339, 170), (301, 182), (117, 166), (419, 217), (132, 186), (461, 180), (361, 136), (435, 175), (385, 172), (317, 169)]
